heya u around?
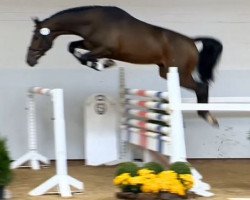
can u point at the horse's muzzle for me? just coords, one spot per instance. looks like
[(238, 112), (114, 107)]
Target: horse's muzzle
[(31, 62), (32, 58)]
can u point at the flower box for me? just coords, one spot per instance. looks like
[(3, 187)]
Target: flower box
[(148, 196), (151, 182)]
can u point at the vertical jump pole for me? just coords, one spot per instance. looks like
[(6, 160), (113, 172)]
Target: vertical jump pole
[(179, 147), (59, 130), (177, 129), (125, 153), (61, 179), (33, 157), (124, 147)]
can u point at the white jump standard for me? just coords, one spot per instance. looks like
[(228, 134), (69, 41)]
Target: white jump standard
[(32, 157), (62, 180)]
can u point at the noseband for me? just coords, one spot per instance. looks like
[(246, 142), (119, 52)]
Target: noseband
[(37, 51)]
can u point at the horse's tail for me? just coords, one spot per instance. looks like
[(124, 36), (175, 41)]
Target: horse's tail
[(208, 57)]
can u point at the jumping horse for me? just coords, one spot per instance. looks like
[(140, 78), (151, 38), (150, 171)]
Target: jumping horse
[(111, 33)]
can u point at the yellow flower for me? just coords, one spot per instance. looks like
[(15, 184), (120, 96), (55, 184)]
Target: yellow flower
[(177, 188), (168, 174), (150, 186), (122, 179), (136, 180), (143, 172), (166, 181), (187, 180), (170, 182)]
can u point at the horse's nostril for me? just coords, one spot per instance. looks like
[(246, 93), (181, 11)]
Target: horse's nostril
[(31, 62)]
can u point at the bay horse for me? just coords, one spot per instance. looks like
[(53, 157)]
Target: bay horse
[(111, 33)]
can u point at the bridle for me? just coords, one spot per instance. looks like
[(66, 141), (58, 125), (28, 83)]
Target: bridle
[(41, 51)]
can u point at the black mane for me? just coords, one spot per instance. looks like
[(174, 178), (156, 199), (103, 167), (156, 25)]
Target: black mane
[(76, 9)]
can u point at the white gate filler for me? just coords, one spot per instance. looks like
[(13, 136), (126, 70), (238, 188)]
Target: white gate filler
[(168, 139), (62, 180)]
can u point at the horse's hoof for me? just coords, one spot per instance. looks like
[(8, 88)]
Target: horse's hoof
[(209, 118), (212, 120), (77, 54), (95, 65), (99, 66), (108, 63)]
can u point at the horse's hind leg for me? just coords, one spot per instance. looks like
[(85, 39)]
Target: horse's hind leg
[(201, 90), (202, 97)]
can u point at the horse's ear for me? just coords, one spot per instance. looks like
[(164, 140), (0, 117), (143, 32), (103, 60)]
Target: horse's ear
[(36, 20)]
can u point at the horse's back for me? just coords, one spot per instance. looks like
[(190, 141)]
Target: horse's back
[(105, 14), (135, 41), (125, 34)]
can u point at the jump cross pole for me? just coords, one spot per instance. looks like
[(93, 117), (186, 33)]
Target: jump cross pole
[(32, 157), (173, 133), (62, 180)]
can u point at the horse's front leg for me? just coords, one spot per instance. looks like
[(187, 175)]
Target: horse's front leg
[(80, 44), (74, 47), (90, 58)]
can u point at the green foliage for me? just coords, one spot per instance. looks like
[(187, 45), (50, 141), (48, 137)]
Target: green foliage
[(181, 168), (127, 167), (156, 167), (5, 171)]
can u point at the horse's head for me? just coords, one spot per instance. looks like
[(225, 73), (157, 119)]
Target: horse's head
[(40, 43)]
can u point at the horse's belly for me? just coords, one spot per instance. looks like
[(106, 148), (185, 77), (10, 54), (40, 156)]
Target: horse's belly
[(139, 55), (137, 58)]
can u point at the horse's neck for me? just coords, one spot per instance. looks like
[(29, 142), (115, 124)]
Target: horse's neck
[(60, 26)]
